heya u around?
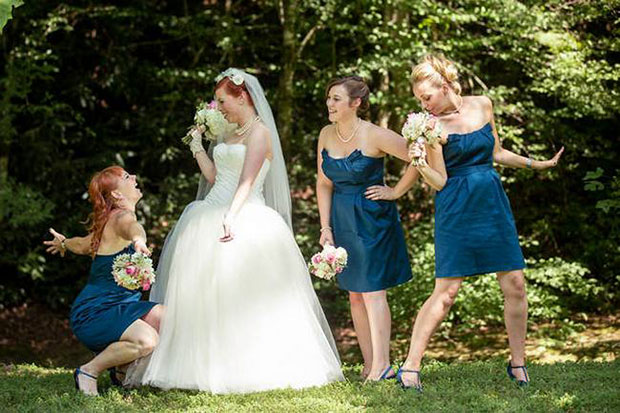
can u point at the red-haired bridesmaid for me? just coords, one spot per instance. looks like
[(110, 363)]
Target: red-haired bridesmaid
[(108, 319)]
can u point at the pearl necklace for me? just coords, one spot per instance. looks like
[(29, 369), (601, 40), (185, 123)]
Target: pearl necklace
[(246, 126), (343, 140)]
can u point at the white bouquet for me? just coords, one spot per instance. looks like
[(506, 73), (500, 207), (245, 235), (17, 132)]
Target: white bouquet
[(208, 122), (421, 129)]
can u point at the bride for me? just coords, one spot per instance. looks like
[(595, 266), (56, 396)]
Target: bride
[(241, 312)]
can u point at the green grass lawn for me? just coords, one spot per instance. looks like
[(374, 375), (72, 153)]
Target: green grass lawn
[(476, 386)]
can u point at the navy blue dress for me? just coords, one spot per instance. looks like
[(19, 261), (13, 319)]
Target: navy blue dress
[(475, 231), (103, 310), (369, 230)]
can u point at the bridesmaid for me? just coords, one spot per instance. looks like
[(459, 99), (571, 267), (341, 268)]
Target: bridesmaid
[(108, 319), (357, 212), (475, 231)]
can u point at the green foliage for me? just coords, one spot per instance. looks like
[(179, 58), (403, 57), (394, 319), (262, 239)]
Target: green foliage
[(6, 10), (22, 207), (480, 386), (592, 183)]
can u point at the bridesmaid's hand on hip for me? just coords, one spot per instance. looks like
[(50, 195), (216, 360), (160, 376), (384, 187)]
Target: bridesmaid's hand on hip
[(380, 193)]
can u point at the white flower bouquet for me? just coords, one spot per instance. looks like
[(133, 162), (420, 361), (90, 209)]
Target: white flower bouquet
[(421, 129), (209, 122)]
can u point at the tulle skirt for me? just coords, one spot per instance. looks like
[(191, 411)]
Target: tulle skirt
[(240, 316)]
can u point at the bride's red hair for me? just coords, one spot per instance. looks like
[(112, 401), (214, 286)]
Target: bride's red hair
[(232, 89), (100, 192)]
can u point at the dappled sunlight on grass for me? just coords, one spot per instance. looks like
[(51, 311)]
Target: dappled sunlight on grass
[(475, 386)]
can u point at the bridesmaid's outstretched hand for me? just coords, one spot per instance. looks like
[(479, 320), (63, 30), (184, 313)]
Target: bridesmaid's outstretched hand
[(553, 161), (55, 246)]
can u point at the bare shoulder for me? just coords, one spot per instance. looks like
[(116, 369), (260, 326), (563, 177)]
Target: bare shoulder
[(326, 131), (260, 136), (482, 101), (378, 132), (262, 132)]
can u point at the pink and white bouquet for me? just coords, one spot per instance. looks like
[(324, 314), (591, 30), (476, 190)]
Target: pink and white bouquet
[(133, 271), (329, 262), (208, 121), (420, 129)]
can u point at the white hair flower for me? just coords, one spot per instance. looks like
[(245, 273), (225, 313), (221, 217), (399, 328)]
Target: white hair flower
[(236, 78)]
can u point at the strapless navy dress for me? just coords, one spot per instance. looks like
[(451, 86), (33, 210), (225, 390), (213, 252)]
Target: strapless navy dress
[(103, 310), (369, 230), (475, 231)]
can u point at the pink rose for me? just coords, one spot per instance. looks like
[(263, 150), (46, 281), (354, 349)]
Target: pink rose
[(316, 259), (130, 270), (212, 105), (331, 258)]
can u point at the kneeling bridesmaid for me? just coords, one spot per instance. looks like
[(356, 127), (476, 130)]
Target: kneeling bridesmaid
[(109, 319)]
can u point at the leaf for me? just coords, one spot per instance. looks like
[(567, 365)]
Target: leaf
[(6, 10), (594, 186), (594, 174)]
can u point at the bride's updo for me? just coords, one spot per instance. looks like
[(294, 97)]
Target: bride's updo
[(232, 89), (356, 87), (438, 70)]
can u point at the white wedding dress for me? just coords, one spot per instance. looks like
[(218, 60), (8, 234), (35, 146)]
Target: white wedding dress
[(241, 316)]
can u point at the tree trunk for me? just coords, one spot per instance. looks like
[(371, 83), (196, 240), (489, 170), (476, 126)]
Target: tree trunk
[(286, 88)]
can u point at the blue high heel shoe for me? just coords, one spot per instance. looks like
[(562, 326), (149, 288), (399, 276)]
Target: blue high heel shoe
[(76, 373), (520, 383), (399, 378), (384, 376)]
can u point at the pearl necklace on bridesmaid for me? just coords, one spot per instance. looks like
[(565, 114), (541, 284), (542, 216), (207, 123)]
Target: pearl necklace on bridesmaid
[(243, 129), (343, 140)]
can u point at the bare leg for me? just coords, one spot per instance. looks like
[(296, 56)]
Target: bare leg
[(380, 322), (152, 318), (138, 340), (512, 284), (362, 329), (433, 311)]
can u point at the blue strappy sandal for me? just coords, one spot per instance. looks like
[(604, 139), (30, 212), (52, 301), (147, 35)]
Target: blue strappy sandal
[(521, 383), (76, 373), (384, 376), (399, 378)]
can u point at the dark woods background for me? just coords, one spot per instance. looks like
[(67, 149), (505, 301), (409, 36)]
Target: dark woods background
[(87, 84)]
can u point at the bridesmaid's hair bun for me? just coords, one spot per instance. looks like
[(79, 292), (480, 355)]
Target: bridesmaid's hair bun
[(438, 69), (356, 87)]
